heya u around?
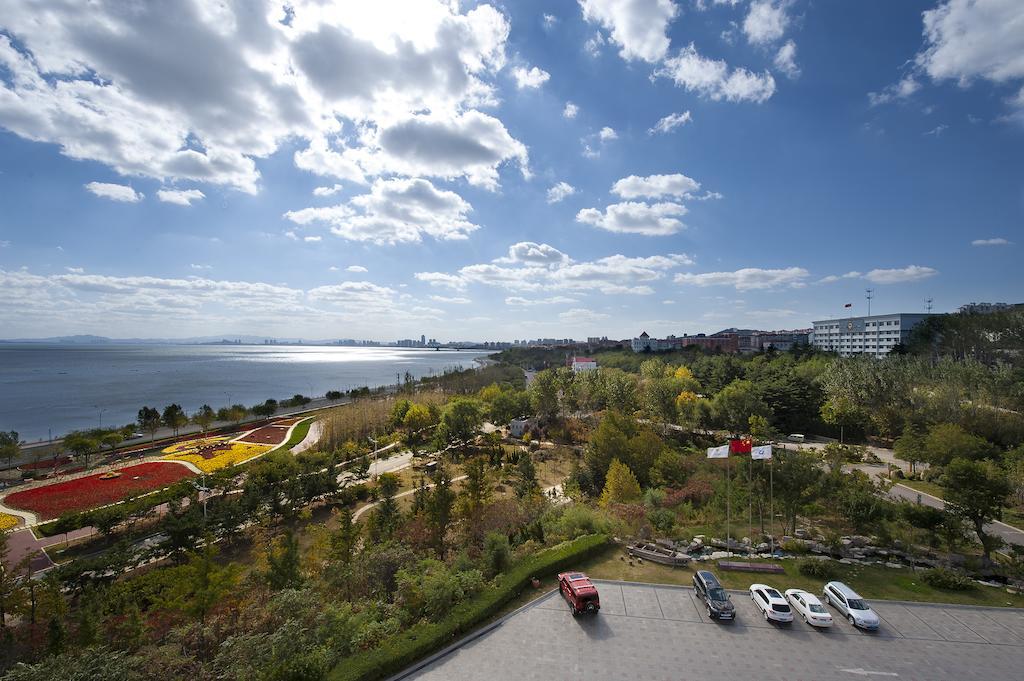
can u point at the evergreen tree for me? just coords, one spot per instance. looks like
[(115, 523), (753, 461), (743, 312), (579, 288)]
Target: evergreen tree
[(526, 477), (345, 538), (439, 509), (283, 569)]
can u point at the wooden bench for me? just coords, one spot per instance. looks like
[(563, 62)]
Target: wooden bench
[(738, 566)]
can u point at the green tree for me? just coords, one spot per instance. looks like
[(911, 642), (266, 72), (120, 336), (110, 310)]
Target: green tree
[(476, 488), (283, 563), (386, 515), (544, 394), (797, 483), (910, 446), (204, 417), (759, 427), (621, 486), (201, 583), (526, 477), (948, 441), (862, 502), (111, 440), (736, 403), (659, 398), (344, 539), (10, 445), (174, 417), (497, 553), (398, 412), (265, 410), (642, 451), (149, 420), (459, 422), (842, 412), (609, 441), (439, 510), (508, 405), (82, 445), (976, 491), (86, 664)]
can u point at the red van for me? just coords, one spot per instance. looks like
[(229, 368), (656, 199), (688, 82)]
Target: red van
[(579, 592)]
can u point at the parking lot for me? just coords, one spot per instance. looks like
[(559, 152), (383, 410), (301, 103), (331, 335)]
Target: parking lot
[(661, 632)]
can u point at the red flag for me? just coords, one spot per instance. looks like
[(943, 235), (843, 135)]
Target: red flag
[(848, 305)]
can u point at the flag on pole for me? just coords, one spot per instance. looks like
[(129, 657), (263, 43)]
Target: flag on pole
[(718, 452), (848, 305), (762, 452)]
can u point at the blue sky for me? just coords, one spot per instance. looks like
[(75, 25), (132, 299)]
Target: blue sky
[(499, 171)]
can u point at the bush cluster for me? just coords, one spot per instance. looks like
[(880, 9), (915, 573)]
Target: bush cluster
[(401, 650), (945, 578), (817, 569)]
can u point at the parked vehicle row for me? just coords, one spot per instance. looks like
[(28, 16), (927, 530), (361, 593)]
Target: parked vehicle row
[(582, 597)]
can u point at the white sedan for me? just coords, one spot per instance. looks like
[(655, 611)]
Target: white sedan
[(771, 603), (809, 607)]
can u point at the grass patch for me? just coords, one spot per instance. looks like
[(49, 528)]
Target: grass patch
[(932, 488), (401, 650), (870, 581), (299, 434)]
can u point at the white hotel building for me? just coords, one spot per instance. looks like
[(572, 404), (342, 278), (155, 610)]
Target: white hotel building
[(875, 335)]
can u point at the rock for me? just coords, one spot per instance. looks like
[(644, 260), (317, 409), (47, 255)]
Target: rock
[(719, 555), (846, 561), (846, 541), (859, 541), (894, 565), (745, 540), (762, 547), (802, 533), (699, 537)]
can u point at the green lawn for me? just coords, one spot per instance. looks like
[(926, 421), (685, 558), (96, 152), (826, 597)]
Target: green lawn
[(869, 581), (932, 488), (299, 434)]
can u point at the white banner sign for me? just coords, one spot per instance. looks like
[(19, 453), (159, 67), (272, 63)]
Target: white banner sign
[(763, 452), (718, 452)]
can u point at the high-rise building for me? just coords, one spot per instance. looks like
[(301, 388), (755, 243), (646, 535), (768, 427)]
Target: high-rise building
[(875, 335)]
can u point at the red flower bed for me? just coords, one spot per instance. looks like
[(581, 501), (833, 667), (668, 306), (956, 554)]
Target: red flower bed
[(47, 463), (268, 435), (82, 494)]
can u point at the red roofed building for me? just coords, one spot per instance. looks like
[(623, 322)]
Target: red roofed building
[(583, 364)]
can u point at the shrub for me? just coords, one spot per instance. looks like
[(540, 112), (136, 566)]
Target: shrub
[(817, 569), (945, 578), (497, 554), (399, 651), (662, 520), (794, 546)]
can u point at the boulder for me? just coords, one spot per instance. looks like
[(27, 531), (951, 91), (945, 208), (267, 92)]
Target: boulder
[(801, 533)]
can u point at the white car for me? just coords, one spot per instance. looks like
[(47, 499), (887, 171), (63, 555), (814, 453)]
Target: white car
[(771, 603), (847, 601), (809, 607)]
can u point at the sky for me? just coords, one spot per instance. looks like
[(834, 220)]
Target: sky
[(503, 171)]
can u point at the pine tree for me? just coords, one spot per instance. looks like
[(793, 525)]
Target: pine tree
[(283, 571), (344, 539), (620, 486), (526, 477), (439, 509)]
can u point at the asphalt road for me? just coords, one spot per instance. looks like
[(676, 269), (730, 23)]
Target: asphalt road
[(661, 633)]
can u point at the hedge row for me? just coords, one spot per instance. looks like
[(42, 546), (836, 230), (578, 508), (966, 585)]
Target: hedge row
[(401, 650)]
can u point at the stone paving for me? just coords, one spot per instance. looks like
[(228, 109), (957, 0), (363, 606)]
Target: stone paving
[(652, 633)]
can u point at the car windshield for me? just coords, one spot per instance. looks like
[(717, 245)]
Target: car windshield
[(716, 594), (857, 604), (772, 593), (779, 607), (814, 607)]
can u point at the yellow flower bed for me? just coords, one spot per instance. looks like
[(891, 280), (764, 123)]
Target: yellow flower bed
[(236, 453), (7, 521), (192, 445)]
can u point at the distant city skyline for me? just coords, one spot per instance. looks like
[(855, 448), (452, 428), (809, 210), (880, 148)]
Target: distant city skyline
[(415, 169)]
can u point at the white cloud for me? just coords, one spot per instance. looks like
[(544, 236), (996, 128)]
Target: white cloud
[(530, 78), (593, 44), (594, 143), (580, 316), (181, 197), (901, 90), (766, 21), (670, 122), (193, 91), (530, 252), (636, 217), (356, 268), (611, 275), (838, 277), (712, 78), (937, 130), (312, 239), (969, 39), (451, 300), (655, 186), (570, 110), (560, 191), (395, 211), (901, 275), (75, 270), (114, 192), (748, 278), (998, 241), (198, 266), (327, 191), (606, 134), (519, 301), (638, 26), (549, 20), (785, 60)]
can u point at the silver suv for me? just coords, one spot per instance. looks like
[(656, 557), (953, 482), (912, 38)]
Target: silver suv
[(854, 608)]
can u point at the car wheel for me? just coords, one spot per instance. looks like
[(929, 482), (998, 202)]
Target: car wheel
[(805, 618), (709, 613), (849, 618), (765, 616)]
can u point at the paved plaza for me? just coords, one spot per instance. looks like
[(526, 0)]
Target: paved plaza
[(654, 633)]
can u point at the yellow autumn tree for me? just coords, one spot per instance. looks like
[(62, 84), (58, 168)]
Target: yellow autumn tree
[(620, 485), (683, 372)]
